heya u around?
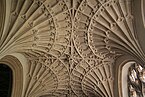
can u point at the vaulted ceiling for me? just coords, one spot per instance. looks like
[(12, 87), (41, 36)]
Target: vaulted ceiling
[(72, 46)]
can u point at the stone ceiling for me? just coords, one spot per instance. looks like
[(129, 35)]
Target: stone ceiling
[(71, 45)]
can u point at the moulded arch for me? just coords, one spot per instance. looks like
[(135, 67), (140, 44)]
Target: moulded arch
[(121, 70), (124, 78), (17, 70), (74, 47)]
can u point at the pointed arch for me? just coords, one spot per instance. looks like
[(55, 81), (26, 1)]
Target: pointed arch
[(17, 71)]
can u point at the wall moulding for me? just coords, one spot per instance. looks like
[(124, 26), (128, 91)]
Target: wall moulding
[(138, 11), (143, 11), (2, 16)]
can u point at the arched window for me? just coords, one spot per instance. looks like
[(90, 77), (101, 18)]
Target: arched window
[(136, 80), (5, 81)]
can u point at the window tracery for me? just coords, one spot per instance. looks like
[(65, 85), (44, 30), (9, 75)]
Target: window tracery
[(136, 81), (71, 45)]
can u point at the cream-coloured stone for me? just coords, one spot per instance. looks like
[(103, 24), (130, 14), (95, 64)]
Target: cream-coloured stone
[(70, 46)]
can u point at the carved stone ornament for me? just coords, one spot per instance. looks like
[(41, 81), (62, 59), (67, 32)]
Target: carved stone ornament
[(72, 48)]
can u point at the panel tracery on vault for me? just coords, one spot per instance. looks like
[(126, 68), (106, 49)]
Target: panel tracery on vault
[(71, 45)]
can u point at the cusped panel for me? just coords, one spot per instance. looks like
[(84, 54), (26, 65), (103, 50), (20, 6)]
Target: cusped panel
[(37, 26), (71, 45)]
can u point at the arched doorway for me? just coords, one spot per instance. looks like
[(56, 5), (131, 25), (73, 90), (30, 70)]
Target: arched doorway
[(5, 80)]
